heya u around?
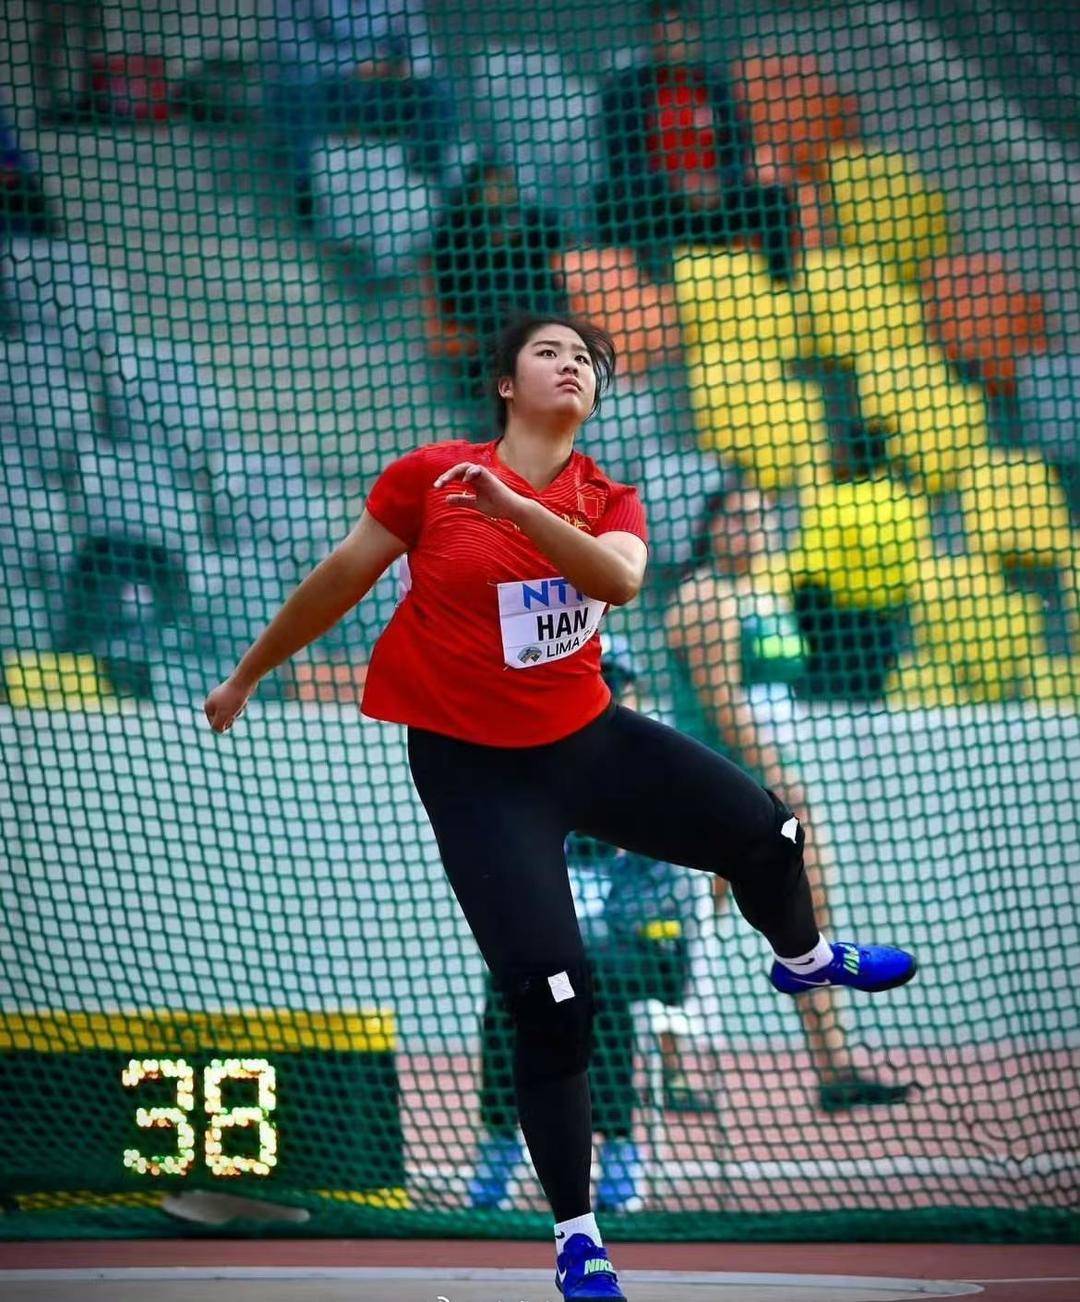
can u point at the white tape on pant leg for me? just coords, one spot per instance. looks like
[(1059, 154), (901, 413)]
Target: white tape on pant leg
[(560, 987)]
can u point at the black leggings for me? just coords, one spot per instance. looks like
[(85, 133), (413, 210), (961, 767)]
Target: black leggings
[(501, 817)]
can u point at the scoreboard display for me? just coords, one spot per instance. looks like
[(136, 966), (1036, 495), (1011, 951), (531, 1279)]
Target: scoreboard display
[(114, 1102)]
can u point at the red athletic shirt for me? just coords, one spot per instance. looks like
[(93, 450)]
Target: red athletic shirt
[(489, 644)]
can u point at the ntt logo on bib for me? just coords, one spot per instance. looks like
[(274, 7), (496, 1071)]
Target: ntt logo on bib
[(530, 654), (547, 593)]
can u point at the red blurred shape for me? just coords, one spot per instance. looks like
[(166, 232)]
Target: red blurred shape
[(330, 682), (129, 86), (981, 313), (795, 109)]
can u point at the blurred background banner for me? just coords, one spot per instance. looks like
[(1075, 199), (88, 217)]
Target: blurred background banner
[(253, 250)]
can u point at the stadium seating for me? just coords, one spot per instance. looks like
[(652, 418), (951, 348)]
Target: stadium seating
[(886, 207), (795, 109), (1014, 508), (371, 201), (159, 392), (607, 285), (855, 307), (738, 328), (545, 126), (935, 424), (981, 313), (40, 490), (56, 285), (44, 680), (1048, 395), (131, 525), (36, 506), (267, 499), (770, 423), (728, 302), (47, 431), (1056, 678), (974, 639)]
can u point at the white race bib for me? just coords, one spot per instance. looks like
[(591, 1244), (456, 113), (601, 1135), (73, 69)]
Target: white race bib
[(545, 619)]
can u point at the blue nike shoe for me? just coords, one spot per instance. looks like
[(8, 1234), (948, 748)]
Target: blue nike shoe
[(862, 967), (584, 1273)]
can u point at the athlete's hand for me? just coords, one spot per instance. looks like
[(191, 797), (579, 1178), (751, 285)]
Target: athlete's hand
[(487, 492), (225, 704)]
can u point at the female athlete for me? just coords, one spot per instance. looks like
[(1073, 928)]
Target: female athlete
[(744, 653), (515, 549)]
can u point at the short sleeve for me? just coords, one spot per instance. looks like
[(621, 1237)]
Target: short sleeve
[(397, 497), (624, 513)]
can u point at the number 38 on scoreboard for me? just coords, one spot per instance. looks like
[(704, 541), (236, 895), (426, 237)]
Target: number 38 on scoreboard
[(116, 1102), (220, 1120)]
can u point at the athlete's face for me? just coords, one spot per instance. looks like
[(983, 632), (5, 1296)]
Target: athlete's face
[(554, 376)]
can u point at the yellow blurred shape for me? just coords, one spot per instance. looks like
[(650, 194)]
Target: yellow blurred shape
[(661, 929), (43, 680), (772, 425), (1014, 507), (886, 206), (864, 540), (856, 307), (975, 640), (936, 424), (1056, 678), (729, 303)]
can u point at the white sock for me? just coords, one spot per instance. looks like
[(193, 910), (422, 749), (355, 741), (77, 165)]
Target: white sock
[(818, 957), (579, 1225)]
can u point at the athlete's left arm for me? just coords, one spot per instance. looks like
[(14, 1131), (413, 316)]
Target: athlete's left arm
[(610, 568)]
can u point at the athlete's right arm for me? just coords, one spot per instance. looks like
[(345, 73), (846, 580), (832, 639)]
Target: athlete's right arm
[(331, 589)]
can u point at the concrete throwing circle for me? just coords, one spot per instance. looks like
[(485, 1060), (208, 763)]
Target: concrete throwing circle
[(454, 1284)]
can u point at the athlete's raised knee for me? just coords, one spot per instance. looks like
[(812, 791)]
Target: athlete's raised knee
[(779, 852), (553, 1016)]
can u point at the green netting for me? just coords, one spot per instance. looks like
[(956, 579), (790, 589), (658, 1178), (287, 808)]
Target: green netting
[(250, 255)]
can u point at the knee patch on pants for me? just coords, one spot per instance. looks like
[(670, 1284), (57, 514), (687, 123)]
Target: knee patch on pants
[(785, 844), (553, 1019), (788, 825)]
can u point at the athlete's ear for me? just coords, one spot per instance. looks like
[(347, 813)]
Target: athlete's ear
[(506, 387)]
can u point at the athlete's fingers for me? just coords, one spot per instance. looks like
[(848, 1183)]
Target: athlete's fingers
[(463, 499), (463, 470)]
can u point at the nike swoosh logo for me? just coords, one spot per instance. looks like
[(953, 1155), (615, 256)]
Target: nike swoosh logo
[(560, 1275), (807, 982)]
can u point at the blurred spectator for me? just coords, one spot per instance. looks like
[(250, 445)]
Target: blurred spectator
[(635, 915), (122, 594), (65, 35), (492, 254), (745, 656), (24, 208), (353, 65), (679, 156)]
